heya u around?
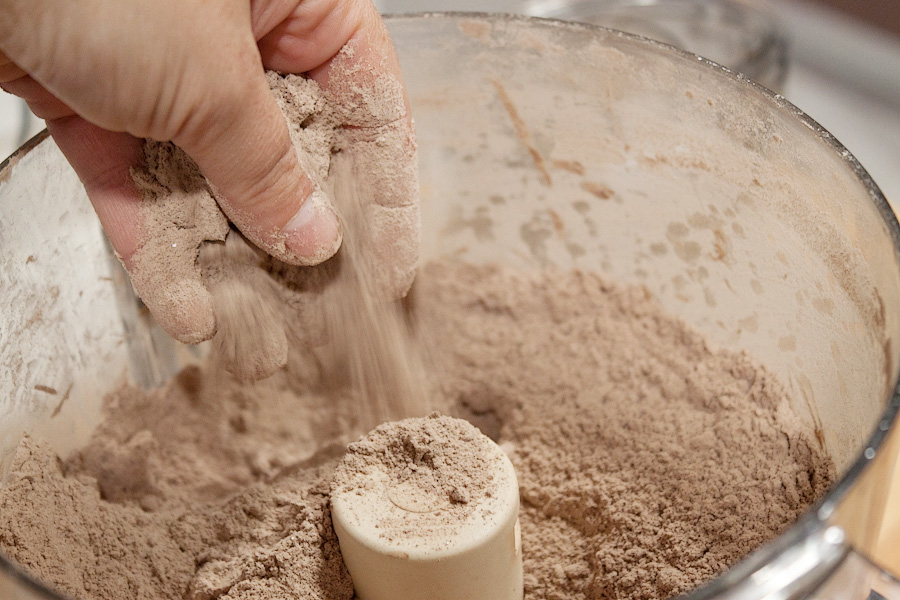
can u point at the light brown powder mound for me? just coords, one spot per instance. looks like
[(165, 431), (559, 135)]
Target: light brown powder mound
[(57, 525), (648, 463), (438, 460), (270, 542), (657, 460)]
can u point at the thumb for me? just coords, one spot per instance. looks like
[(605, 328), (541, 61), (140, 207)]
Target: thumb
[(242, 146)]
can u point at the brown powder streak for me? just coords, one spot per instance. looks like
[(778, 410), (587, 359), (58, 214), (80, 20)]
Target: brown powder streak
[(522, 132), (572, 166), (597, 189), (62, 401)]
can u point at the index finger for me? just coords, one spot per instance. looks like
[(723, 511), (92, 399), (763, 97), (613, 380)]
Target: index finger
[(9, 71), (363, 81), (174, 294)]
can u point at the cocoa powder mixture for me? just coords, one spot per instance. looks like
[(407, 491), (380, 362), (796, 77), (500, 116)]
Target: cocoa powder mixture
[(648, 463)]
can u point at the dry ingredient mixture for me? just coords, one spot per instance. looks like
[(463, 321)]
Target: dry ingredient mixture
[(648, 463)]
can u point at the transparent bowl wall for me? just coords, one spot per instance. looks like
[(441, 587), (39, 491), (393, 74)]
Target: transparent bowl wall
[(742, 35), (542, 143)]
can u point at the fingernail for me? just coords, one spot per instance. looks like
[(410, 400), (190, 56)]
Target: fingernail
[(313, 235)]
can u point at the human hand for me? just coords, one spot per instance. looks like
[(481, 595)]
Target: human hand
[(106, 74)]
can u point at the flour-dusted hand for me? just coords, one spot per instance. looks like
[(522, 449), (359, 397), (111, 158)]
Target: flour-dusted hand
[(104, 75), (363, 82)]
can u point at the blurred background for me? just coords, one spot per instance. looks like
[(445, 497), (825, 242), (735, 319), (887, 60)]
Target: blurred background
[(837, 60)]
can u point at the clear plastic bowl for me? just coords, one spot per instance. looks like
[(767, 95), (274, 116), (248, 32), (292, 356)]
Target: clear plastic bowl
[(739, 35), (770, 228)]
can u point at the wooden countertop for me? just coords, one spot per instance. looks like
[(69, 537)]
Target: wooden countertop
[(888, 551)]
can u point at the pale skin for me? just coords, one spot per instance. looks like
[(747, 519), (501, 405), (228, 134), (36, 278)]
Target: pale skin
[(105, 74)]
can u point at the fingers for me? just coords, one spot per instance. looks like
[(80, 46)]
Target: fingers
[(298, 37), (9, 70), (42, 103), (363, 80), (386, 169), (168, 282), (243, 147), (345, 47), (102, 160)]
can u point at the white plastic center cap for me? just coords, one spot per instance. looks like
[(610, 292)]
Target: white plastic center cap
[(427, 509)]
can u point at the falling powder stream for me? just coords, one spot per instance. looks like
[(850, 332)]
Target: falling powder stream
[(369, 333)]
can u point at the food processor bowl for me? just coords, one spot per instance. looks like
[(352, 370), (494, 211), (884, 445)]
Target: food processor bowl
[(743, 35), (541, 144)]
